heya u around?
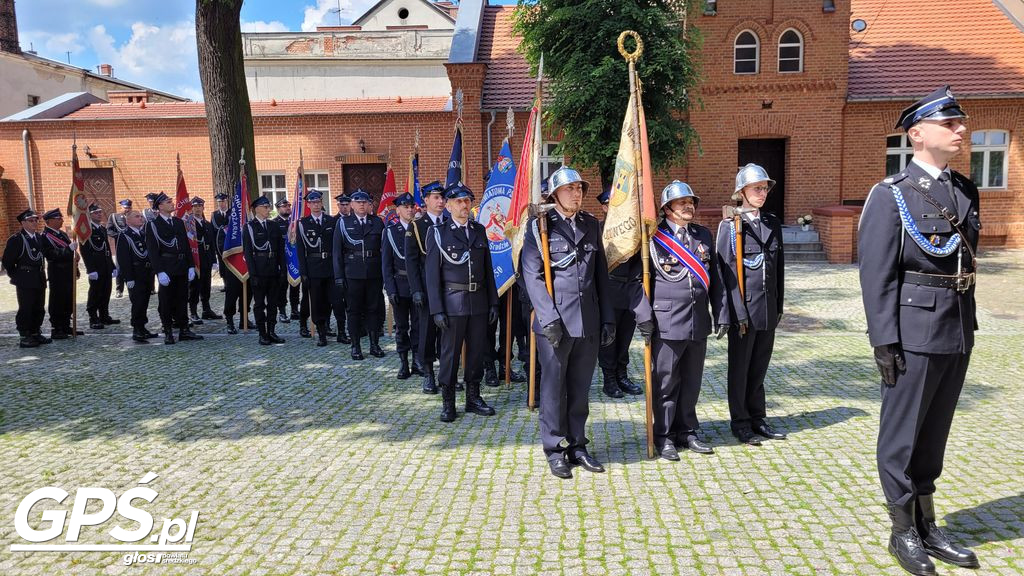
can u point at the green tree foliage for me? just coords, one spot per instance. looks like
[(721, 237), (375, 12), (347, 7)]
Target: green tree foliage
[(588, 82)]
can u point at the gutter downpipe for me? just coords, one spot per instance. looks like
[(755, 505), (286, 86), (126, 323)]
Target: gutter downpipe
[(494, 115), (28, 170)]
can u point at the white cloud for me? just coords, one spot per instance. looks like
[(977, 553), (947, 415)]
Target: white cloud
[(325, 13), (261, 26), (164, 57), (52, 45)]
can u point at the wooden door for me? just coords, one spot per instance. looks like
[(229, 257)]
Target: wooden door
[(770, 154)]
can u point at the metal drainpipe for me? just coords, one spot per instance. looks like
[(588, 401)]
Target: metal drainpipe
[(28, 171), (494, 115)]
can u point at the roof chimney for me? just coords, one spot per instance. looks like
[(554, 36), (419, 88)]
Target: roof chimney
[(106, 70), (8, 28)]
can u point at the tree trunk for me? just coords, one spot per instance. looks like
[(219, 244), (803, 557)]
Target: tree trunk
[(228, 115)]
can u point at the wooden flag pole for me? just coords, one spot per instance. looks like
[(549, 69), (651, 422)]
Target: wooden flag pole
[(245, 306), (74, 293), (531, 395), (645, 255), (508, 339)]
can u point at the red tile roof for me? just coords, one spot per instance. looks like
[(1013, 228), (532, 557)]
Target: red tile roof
[(262, 109), (911, 47), (508, 81)]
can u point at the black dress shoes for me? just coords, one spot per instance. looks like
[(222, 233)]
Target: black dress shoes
[(375, 350), (139, 337), (169, 338), (447, 412), (211, 315), (304, 332), (28, 342), (321, 339), (265, 340), (60, 335), (42, 339), (331, 333), (746, 436), (559, 467), (344, 339), (96, 325), (695, 444), (108, 321), (275, 338), (187, 334), (144, 331), (587, 462), (669, 452), (231, 326), (935, 541), (611, 390), (628, 386), (283, 318), (357, 352), (763, 429)]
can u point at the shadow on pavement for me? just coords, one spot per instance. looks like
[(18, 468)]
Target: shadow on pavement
[(996, 521)]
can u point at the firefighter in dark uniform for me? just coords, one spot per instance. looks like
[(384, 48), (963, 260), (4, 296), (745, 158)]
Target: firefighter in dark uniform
[(199, 289), (100, 266), (755, 310), (232, 285), (357, 271), (415, 255), (461, 298), (263, 248), (219, 219), (916, 242), (572, 324), (314, 242), (285, 288), (687, 297), (396, 283), (171, 257), (115, 227), (23, 260), (61, 273), (137, 271), (614, 358), (339, 305)]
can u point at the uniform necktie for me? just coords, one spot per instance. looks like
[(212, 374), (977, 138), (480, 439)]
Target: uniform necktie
[(946, 184)]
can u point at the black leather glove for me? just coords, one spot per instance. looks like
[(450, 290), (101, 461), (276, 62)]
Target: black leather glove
[(891, 364), (553, 332), (417, 299), (646, 329), (441, 321), (492, 315), (607, 334), (340, 283), (721, 330), (393, 300), (304, 279)]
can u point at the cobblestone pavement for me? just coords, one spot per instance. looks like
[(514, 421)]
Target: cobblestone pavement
[(301, 461)]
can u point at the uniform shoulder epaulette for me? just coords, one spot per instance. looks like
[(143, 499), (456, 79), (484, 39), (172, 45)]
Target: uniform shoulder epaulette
[(896, 178)]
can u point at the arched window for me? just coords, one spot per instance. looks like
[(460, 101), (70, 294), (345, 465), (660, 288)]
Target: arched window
[(746, 53), (791, 51)]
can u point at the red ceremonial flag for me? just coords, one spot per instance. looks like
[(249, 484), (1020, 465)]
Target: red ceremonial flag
[(522, 189), (78, 204), (647, 210), (183, 210), (388, 195)]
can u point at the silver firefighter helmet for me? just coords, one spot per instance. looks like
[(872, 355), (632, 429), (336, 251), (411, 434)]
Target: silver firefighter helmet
[(563, 176), (676, 190), (748, 175)]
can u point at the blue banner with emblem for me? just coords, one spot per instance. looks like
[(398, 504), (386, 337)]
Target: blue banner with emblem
[(291, 250), (494, 212)]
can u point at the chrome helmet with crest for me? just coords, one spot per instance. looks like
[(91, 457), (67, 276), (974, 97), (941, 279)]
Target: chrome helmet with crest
[(563, 176), (676, 190), (748, 175)]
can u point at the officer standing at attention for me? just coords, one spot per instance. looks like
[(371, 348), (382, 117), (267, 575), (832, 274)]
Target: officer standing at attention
[(755, 308), (685, 285), (100, 266), (23, 259), (357, 271), (285, 288), (199, 289), (462, 299), (396, 283), (61, 272), (415, 254), (262, 245), (115, 227), (137, 271), (314, 242), (219, 219), (574, 323), (171, 257), (916, 242), (624, 284)]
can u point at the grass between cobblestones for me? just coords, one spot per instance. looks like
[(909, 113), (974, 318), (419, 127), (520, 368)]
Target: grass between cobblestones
[(301, 461)]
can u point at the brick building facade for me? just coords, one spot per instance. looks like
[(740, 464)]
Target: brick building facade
[(789, 84)]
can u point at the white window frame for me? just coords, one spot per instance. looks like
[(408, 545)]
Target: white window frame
[(986, 150), (757, 52), (905, 151), (274, 193), (799, 44), (549, 161), (316, 175)]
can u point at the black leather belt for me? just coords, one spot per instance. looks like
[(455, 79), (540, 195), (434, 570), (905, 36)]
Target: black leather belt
[(320, 255), (456, 287), (959, 282), (401, 273)]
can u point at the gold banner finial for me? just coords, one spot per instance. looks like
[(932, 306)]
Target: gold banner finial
[(637, 52)]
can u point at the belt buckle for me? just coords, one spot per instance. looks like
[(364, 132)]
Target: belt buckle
[(964, 282), (472, 286)]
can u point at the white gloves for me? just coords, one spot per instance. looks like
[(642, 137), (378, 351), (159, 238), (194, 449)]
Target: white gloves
[(94, 275), (130, 284), (216, 267), (74, 246), (191, 274), (114, 273), (164, 279)]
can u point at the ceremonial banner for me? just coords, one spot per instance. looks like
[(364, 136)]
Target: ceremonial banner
[(78, 204), (455, 162), (183, 210), (299, 209), (387, 195), (412, 185), (238, 217), (494, 209), (622, 234), (522, 190)]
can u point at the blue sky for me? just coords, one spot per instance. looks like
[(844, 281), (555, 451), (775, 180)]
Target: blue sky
[(152, 42)]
